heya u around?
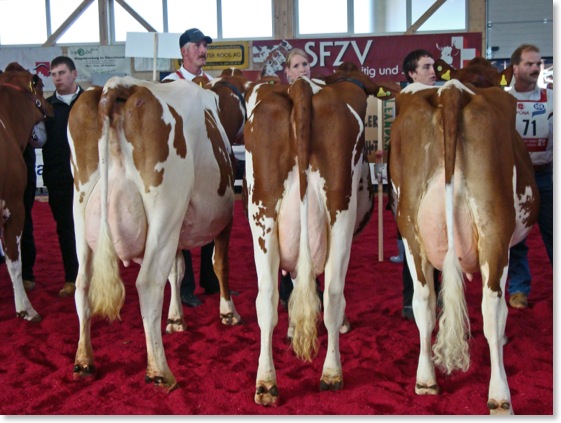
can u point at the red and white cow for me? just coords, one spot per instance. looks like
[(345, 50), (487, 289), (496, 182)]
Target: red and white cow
[(22, 106), (162, 182), (465, 193), (308, 192)]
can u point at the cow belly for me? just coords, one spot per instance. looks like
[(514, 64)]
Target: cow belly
[(289, 226), (126, 216), (431, 221)]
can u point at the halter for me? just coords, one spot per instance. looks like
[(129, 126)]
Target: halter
[(29, 93), (237, 92)]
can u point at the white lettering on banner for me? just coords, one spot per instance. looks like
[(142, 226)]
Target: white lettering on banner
[(325, 47)]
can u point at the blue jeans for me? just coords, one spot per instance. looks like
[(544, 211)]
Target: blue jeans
[(519, 269)]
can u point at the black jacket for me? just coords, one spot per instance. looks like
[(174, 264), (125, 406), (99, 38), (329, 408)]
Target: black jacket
[(56, 151)]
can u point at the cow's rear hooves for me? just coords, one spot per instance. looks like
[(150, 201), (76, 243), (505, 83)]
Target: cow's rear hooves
[(499, 409), (230, 319), (161, 382), (79, 371), (266, 397), (35, 318), (335, 385), (422, 389)]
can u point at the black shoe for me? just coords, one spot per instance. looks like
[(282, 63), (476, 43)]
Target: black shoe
[(407, 313), (191, 300), (212, 290)]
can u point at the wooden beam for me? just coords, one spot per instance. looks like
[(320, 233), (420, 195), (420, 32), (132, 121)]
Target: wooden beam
[(283, 23), (135, 15), (477, 21), (67, 23), (103, 13), (424, 17)]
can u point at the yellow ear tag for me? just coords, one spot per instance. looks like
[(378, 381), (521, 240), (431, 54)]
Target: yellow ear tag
[(503, 80), (439, 68), (200, 84), (382, 93), (446, 75)]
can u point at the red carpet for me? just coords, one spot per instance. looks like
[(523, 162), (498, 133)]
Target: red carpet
[(216, 365)]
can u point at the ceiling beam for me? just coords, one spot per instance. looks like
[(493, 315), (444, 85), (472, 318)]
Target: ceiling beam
[(424, 17), (135, 15), (67, 23)]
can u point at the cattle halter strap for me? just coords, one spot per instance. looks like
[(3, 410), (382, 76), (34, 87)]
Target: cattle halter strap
[(236, 91), (29, 94)]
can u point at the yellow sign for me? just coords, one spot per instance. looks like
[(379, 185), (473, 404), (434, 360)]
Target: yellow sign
[(225, 55)]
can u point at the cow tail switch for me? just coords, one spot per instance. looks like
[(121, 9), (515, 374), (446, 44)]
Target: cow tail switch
[(304, 304), (107, 291)]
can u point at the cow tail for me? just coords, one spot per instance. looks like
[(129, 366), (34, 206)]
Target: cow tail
[(304, 305), (451, 350), (107, 291)]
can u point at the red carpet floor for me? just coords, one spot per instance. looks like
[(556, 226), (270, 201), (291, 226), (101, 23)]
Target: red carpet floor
[(216, 365)]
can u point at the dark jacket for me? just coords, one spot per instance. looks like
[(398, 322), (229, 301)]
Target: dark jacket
[(56, 151)]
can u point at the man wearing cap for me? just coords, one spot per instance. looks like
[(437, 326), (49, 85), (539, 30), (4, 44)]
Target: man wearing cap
[(193, 45)]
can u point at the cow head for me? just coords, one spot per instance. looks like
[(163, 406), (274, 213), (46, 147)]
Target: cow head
[(31, 85), (478, 72)]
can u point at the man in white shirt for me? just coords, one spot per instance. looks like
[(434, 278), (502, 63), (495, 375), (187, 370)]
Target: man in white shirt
[(534, 123), (193, 44)]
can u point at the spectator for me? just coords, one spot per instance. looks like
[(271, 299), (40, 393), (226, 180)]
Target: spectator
[(193, 44), (57, 175), (537, 134)]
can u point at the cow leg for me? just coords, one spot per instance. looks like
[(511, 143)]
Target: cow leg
[(495, 312), (228, 313), (83, 361), (424, 306), (176, 320), (12, 235), (333, 316), (150, 284), (267, 267)]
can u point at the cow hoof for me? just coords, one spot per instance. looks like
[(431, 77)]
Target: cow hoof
[(177, 325), (424, 389), (231, 319), (496, 409), (266, 397), (331, 384), (161, 382), (30, 317), (80, 371)]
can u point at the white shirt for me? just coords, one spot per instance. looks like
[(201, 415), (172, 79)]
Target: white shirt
[(174, 76), (526, 122)]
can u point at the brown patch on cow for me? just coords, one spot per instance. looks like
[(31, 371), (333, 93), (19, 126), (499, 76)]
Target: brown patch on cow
[(220, 154), (179, 142), (86, 132), (148, 134)]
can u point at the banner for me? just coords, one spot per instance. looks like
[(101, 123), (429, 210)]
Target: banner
[(378, 57), (106, 60), (31, 58)]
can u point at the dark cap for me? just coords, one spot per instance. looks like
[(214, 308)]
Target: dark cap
[(193, 35)]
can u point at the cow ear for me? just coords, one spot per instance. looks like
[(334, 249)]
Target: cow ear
[(443, 71), (506, 77)]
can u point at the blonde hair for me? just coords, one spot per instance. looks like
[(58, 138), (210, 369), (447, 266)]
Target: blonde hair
[(295, 52)]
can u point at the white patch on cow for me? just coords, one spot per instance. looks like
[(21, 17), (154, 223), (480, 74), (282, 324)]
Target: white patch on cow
[(416, 87), (521, 213), (251, 103), (456, 84)]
